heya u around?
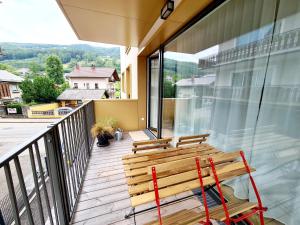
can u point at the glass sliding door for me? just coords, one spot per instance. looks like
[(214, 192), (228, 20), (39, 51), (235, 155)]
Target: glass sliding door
[(153, 99), (235, 74)]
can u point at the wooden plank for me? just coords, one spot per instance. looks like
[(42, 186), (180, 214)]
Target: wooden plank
[(191, 141), (192, 137), (150, 147), (173, 179), (131, 156), (171, 157), (155, 141), (218, 158), (179, 188), (234, 210), (145, 170), (165, 153)]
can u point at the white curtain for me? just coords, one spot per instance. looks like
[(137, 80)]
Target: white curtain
[(254, 102)]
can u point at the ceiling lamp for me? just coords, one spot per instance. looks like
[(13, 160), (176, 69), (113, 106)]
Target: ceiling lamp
[(167, 9)]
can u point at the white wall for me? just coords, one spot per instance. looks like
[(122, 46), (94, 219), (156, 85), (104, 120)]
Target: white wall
[(103, 83), (127, 60), (15, 91)]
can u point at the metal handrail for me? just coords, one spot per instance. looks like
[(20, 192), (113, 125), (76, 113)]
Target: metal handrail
[(20, 148), (67, 145)]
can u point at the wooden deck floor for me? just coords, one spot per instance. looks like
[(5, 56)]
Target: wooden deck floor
[(105, 199)]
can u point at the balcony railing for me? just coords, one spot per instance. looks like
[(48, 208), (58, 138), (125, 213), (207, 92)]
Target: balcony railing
[(56, 161), (280, 43)]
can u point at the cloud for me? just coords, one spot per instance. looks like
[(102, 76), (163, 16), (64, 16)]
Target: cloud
[(35, 21)]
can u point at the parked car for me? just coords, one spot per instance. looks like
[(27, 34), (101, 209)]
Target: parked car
[(64, 110)]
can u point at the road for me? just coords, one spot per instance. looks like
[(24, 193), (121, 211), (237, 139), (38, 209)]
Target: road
[(12, 134)]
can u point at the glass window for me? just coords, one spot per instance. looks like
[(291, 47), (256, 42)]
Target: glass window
[(87, 86), (235, 75), (154, 94), (96, 86), (75, 85)]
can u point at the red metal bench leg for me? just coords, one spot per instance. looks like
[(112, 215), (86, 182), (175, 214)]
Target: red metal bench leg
[(261, 209), (207, 222), (154, 178), (227, 221)]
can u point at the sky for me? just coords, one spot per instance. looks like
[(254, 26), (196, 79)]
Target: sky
[(36, 21)]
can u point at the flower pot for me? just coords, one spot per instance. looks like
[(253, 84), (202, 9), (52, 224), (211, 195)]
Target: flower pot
[(102, 140)]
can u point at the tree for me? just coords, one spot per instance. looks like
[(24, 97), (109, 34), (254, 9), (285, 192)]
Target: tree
[(8, 68), (27, 90), (41, 89), (54, 69), (169, 89)]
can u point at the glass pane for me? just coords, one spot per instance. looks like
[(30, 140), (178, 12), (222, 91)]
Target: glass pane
[(276, 148), (154, 79)]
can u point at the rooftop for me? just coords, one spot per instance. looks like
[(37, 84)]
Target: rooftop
[(81, 94), (6, 76), (94, 72), (198, 81)]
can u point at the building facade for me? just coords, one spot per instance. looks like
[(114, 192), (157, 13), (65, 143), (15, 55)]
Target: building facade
[(93, 78), (229, 68), (9, 86)]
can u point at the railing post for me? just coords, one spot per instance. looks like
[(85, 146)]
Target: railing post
[(57, 175), (88, 144)]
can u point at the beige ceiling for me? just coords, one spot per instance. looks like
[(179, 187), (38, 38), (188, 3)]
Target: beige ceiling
[(121, 22)]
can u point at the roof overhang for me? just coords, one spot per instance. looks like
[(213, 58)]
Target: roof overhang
[(120, 22), (135, 23)]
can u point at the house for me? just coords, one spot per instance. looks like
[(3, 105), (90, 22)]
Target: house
[(75, 97), (9, 86), (93, 78)]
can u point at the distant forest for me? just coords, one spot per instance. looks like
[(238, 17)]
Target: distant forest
[(22, 55)]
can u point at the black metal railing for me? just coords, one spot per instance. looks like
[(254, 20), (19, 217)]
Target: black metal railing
[(44, 176)]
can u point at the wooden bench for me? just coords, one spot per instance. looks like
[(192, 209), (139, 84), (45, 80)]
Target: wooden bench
[(188, 140), (176, 173), (151, 144)]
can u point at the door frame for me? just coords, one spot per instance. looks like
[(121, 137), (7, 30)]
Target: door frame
[(156, 56)]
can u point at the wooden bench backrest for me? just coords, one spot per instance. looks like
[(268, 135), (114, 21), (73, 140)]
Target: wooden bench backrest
[(187, 140), (151, 144)]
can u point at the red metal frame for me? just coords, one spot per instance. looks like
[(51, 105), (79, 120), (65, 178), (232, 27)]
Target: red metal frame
[(257, 210), (157, 200), (207, 222)]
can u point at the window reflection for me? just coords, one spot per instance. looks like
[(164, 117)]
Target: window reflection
[(235, 74)]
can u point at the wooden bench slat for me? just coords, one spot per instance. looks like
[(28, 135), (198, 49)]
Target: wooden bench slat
[(145, 170), (199, 140), (179, 188), (154, 152), (171, 157), (192, 137), (140, 157), (164, 167), (157, 146), (154, 141), (173, 179)]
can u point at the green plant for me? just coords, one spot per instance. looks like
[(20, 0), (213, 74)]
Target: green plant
[(105, 126)]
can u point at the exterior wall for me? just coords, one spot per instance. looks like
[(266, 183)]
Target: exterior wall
[(15, 91), (43, 111), (103, 83), (129, 60), (125, 111)]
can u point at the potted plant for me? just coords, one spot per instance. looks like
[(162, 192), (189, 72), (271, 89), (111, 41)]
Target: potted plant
[(104, 131)]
